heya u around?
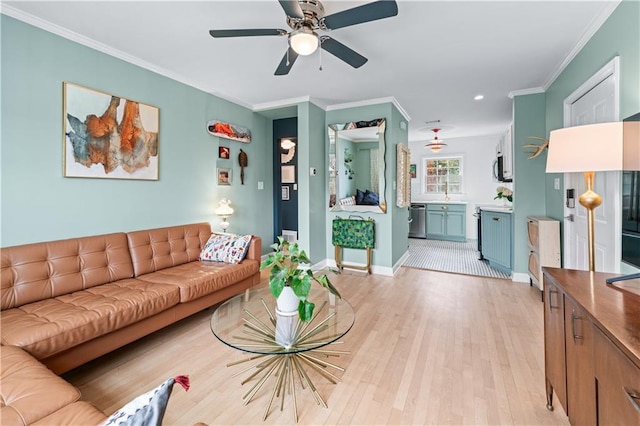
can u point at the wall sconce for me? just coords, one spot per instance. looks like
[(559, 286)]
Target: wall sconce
[(224, 210)]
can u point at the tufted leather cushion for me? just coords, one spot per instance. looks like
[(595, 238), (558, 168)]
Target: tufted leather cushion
[(160, 248), (29, 390), (50, 326), (40, 271), (78, 413), (197, 279)]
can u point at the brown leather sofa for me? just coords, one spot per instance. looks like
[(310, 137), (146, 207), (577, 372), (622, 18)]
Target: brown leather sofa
[(70, 301)]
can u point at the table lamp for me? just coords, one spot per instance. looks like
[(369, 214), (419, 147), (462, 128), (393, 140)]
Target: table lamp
[(224, 210), (588, 149)]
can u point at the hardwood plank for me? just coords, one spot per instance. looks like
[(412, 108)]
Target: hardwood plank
[(426, 348)]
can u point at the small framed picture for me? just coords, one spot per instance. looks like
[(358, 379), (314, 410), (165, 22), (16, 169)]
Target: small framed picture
[(288, 174), (224, 176), (412, 171), (285, 193), (224, 152)]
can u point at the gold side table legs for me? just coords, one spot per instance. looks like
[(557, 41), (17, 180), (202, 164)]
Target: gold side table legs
[(340, 264)]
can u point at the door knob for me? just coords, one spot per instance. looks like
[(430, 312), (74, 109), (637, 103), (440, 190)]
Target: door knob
[(569, 218)]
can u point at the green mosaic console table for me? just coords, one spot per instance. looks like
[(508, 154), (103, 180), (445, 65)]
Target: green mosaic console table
[(353, 234)]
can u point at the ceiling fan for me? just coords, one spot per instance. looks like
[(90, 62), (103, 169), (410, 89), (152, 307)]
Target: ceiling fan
[(304, 17)]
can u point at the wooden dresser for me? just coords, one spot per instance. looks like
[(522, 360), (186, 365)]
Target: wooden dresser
[(592, 347)]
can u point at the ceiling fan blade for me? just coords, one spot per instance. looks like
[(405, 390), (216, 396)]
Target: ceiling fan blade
[(365, 13), (287, 62), (343, 52), (292, 8), (248, 32)]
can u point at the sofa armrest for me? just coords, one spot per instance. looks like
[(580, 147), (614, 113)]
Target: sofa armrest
[(255, 249)]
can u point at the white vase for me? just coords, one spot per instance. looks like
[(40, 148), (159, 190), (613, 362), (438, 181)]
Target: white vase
[(286, 317)]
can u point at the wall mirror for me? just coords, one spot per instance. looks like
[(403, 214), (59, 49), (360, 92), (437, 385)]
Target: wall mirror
[(357, 166)]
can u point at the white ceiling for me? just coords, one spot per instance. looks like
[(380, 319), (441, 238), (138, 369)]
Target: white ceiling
[(433, 58)]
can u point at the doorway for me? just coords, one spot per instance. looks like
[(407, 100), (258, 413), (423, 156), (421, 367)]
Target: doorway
[(285, 178), (596, 101)]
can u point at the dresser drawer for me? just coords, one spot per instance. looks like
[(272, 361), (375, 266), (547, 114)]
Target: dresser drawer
[(618, 384)]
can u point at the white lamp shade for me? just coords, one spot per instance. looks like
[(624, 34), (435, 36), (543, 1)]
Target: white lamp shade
[(304, 42), (224, 209), (590, 148)]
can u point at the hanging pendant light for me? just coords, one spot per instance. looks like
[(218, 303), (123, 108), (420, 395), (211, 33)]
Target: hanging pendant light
[(435, 144)]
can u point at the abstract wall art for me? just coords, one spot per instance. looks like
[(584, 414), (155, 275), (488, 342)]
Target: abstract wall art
[(106, 136), (229, 131)]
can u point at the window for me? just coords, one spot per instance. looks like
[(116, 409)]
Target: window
[(442, 175)]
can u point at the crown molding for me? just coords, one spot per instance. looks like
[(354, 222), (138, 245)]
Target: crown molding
[(593, 27), (367, 102), (265, 106), (522, 92), (108, 50)]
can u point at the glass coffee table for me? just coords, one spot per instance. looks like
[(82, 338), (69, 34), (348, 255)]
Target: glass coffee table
[(247, 322)]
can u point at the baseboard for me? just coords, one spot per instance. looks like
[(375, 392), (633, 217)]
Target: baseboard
[(400, 262), (375, 269), (520, 277)]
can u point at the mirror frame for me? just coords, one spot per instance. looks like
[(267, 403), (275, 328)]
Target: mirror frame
[(403, 175), (333, 131)]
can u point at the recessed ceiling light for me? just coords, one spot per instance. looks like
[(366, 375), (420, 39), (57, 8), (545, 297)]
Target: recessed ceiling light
[(479, 97)]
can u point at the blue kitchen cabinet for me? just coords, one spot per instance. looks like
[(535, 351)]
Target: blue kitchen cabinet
[(447, 222), (497, 239)]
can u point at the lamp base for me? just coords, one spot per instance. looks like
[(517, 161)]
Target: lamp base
[(590, 200), (224, 224)]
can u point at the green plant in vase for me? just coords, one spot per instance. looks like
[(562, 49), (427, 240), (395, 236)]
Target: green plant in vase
[(286, 271)]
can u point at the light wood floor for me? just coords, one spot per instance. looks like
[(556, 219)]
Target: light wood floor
[(426, 348)]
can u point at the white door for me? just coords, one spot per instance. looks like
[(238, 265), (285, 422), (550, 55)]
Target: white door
[(597, 104)]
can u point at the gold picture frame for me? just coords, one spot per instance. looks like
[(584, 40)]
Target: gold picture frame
[(403, 175)]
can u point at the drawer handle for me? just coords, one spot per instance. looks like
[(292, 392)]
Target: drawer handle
[(444, 207), (574, 317), (633, 397), (497, 219), (551, 304)]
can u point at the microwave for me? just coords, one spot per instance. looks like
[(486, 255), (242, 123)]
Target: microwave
[(498, 170)]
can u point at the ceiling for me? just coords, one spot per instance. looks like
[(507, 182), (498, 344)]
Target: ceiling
[(433, 58)]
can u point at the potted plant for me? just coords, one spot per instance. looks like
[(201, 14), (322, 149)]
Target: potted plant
[(504, 193), (288, 277)]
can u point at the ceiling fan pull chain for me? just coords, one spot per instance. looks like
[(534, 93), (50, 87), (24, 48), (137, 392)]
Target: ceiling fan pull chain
[(288, 57), (320, 60)]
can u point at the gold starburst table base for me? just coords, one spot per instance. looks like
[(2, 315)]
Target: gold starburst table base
[(285, 367)]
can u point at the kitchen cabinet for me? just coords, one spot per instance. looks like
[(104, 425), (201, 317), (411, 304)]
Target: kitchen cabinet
[(543, 243), (447, 221), (497, 239), (592, 353)]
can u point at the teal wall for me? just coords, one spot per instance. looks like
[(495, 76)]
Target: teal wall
[(312, 209), (528, 182), (400, 215), (39, 204), (618, 36)]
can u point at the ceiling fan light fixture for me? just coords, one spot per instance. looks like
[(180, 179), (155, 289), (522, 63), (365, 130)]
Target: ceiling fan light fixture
[(304, 41)]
